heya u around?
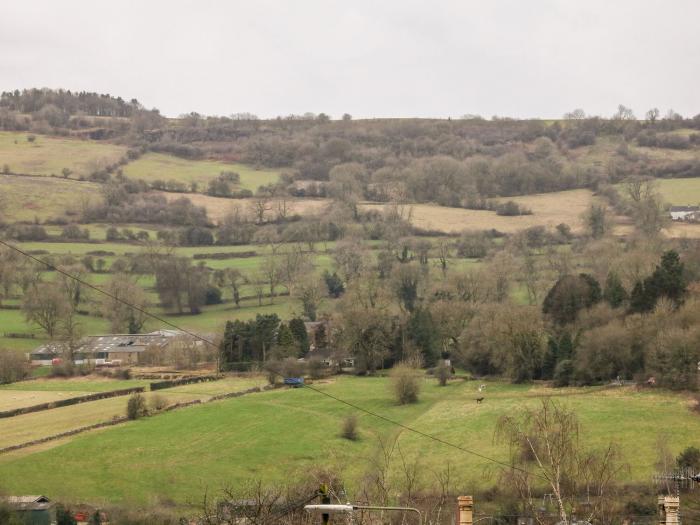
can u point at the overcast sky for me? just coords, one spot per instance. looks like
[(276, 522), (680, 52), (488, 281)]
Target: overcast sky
[(374, 58)]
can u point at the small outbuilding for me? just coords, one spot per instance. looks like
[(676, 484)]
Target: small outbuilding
[(32, 510)]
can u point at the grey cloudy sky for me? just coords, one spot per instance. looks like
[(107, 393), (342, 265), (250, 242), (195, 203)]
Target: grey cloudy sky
[(380, 58)]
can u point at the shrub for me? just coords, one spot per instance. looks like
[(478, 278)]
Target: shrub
[(511, 209), (195, 236), (64, 516), (689, 458), (64, 369), (334, 283), (405, 384), (278, 369), (274, 371), (473, 245), (27, 232), (136, 407), (124, 373), (316, 369), (212, 295), (443, 374), (73, 232), (349, 429), (13, 367), (112, 234), (563, 373), (158, 403)]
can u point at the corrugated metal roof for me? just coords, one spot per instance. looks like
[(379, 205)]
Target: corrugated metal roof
[(113, 343)]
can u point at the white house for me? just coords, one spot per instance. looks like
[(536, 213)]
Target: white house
[(683, 213)]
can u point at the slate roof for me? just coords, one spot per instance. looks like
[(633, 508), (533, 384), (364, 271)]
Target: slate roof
[(28, 502), (685, 208)]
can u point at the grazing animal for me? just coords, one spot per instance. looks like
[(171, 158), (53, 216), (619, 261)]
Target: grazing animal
[(482, 387), (479, 400)]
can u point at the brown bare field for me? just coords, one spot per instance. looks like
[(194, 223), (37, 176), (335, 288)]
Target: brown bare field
[(217, 207), (28, 198), (548, 209), (683, 230)]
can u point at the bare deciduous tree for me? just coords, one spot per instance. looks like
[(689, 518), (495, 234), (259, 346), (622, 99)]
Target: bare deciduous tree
[(545, 446), (45, 304), (123, 318), (259, 208), (233, 279)]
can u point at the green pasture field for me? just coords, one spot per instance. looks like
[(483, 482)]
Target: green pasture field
[(159, 166), (222, 386), (281, 435), (27, 427), (49, 155), (680, 192), (20, 346), (213, 318)]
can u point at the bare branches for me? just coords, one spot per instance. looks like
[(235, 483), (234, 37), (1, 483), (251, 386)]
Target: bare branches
[(548, 441)]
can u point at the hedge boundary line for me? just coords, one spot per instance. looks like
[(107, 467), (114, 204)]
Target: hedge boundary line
[(220, 256), (70, 401), (160, 385), (124, 419)]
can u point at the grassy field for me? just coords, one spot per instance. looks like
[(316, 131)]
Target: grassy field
[(49, 155), (37, 425), (680, 192), (30, 198), (548, 209), (28, 393), (27, 427), (11, 399), (88, 384), (283, 434), (158, 166)]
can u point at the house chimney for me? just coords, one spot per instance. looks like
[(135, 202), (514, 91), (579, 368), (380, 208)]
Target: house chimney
[(466, 508), (668, 510)]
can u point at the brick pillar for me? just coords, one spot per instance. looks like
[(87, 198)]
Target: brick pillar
[(668, 510), (466, 510)]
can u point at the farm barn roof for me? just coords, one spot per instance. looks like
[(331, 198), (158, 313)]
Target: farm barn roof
[(28, 502), (114, 343)]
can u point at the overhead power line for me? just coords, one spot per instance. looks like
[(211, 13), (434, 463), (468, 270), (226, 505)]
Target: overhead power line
[(309, 387)]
